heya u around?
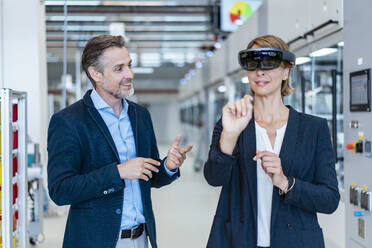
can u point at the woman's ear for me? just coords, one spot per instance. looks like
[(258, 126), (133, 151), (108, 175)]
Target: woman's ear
[(95, 74), (286, 73)]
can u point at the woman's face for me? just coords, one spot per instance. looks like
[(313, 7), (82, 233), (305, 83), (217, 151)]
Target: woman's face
[(267, 82)]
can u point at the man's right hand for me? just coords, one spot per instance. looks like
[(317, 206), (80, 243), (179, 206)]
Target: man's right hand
[(138, 168), (235, 117)]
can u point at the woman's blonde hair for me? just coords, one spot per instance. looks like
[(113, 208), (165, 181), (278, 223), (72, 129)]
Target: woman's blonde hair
[(275, 42)]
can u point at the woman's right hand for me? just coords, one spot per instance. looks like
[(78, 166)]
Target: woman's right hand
[(235, 117)]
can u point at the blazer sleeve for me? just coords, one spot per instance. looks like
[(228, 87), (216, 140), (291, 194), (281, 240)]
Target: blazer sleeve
[(161, 178), (66, 184), (217, 169), (321, 195)]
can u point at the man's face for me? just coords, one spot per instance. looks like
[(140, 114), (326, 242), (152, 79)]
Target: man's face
[(117, 75)]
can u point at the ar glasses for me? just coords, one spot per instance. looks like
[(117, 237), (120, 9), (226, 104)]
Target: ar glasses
[(264, 58)]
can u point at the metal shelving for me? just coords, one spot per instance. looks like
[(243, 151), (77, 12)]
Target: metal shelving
[(14, 188)]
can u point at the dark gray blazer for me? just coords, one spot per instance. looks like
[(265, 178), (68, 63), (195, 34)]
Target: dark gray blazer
[(306, 154), (82, 172)]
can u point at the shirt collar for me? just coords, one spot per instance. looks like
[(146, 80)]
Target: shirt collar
[(100, 104)]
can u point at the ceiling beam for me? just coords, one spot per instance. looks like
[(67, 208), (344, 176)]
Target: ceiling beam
[(129, 23), (127, 33), (115, 10)]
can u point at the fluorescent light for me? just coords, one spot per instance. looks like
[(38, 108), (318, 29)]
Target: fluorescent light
[(302, 60), (133, 3), (183, 81), (221, 88), (86, 28), (209, 53), (143, 70), (174, 57), (198, 64), (150, 59), (217, 45), (91, 3), (76, 18), (340, 44), (245, 80), (323, 52), (117, 28)]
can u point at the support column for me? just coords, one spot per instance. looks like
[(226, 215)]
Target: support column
[(23, 61)]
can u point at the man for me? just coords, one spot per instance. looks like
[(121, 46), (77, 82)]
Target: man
[(103, 158)]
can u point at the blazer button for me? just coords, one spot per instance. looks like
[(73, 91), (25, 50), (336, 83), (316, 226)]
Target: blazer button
[(118, 211), (289, 226), (105, 192)]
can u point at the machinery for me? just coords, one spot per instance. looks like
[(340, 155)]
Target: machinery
[(357, 126)]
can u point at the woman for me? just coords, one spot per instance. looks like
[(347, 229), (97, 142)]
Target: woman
[(275, 165)]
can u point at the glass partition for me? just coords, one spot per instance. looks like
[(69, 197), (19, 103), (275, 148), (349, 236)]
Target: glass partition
[(317, 81)]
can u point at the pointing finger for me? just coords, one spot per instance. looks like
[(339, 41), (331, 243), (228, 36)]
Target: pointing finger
[(177, 141)]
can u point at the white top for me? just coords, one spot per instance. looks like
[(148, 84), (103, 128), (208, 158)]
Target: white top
[(264, 183)]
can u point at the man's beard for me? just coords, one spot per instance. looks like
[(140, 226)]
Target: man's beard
[(118, 94), (130, 93)]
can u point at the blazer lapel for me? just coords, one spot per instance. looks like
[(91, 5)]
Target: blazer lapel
[(132, 113), (100, 122), (249, 150), (286, 154), (133, 117)]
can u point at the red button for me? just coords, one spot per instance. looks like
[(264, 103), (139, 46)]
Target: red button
[(15, 166), (15, 112), (15, 193), (15, 139)]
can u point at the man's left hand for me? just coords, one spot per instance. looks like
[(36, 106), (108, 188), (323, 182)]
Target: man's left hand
[(176, 155)]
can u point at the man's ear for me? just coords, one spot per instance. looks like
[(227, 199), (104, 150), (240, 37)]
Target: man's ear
[(95, 74)]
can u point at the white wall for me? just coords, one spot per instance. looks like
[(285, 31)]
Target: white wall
[(23, 59)]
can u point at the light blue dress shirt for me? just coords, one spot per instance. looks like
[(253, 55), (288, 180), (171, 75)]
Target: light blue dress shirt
[(122, 134)]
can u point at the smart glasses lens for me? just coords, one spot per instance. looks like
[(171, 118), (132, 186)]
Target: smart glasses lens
[(269, 63), (250, 60)]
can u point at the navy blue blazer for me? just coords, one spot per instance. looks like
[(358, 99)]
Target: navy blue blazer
[(306, 154), (82, 172)]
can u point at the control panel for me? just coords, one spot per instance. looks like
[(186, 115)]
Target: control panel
[(358, 160), (357, 107)]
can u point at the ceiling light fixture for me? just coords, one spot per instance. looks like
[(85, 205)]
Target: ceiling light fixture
[(323, 52), (221, 88), (302, 60)]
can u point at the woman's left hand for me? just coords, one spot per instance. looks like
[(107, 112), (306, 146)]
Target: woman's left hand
[(272, 166)]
